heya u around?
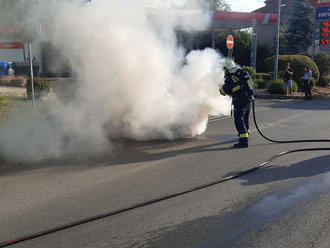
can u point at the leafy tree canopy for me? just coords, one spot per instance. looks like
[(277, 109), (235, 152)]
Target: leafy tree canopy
[(301, 27)]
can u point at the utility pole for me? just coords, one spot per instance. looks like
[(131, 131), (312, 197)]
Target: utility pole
[(32, 83), (254, 43), (277, 39)]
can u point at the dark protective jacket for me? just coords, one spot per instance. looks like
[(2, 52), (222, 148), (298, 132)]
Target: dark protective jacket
[(239, 86)]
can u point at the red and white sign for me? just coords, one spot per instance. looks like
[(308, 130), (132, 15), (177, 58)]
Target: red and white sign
[(11, 45), (321, 2), (230, 42), (245, 17)]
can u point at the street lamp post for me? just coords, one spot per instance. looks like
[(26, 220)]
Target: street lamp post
[(32, 79), (277, 39)]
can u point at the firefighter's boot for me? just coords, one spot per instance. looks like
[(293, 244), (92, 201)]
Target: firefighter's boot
[(242, 143)]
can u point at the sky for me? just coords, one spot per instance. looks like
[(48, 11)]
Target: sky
[(236, 5), (246, 5)]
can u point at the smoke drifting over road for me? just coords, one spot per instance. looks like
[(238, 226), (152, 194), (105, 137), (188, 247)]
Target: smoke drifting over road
[(135, 80)]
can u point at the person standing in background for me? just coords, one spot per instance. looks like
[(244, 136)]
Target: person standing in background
[(308, 83), (287, 77)]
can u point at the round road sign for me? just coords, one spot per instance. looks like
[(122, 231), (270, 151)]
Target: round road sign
[(230, 42)]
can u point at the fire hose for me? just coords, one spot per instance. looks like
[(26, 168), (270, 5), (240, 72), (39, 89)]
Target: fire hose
[(169, 196), (282, 141)]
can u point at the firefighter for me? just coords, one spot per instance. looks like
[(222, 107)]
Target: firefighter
[(239, 86)]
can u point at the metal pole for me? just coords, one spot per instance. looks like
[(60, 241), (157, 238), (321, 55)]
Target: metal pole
[(32, 83), (254, 46), (230, 53), (277, 39)]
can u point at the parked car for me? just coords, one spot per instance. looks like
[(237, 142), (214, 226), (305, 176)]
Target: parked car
[(3, 68), (11, 71)]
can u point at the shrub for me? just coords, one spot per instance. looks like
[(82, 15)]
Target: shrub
[(302, 81), (264, 76), (322, 60), (19, 82), (262, 84), (255, 84), (277, 86), (13, 81), (324, 80), (3, 98), (298, 64), (250, 70), (41, 87)]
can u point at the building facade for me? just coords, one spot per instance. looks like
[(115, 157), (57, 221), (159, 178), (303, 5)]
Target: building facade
[(267, 33)]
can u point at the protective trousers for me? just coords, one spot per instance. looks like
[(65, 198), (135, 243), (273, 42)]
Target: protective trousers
[(241, 116)]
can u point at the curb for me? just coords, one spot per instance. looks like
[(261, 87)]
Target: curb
[(278, 96)]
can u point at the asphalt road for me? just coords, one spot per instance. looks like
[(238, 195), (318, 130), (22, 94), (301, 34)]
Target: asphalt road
[(284, 204)]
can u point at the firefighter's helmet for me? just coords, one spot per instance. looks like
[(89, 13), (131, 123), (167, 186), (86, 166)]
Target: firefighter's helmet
[(229, 65)]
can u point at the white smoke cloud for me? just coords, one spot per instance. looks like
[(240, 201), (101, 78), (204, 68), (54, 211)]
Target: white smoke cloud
[(135, 81), (164, 4)]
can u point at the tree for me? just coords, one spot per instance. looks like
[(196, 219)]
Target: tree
[(242, 49), (217, 5), (301, 27), (263, 52), (283, 40)]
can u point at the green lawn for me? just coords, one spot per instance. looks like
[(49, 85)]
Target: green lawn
[(6, 105)]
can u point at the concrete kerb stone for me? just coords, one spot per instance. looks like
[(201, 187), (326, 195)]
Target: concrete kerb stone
[(266, 95)]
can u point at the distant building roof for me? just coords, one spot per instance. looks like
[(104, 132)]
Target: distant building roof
[(271, 6), (286, 10)]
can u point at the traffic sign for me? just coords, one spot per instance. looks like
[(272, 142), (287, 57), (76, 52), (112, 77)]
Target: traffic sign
[(230, 42), (313, 50), (11, 45), (323, 13)]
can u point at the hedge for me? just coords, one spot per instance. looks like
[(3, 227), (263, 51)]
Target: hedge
[(262, 84), (324, 80), (264, 76), (298, 64), (301, 83), (41, 87), (250, 70), (255, 84), (322, 60), (3, 98), (277, 87)]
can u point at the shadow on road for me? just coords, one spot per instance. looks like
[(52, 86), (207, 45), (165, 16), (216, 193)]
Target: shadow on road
[(125, 152), (323, 105), (307, 168)]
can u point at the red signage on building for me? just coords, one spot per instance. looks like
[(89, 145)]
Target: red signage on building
[(11, 45), (322, 2), (245, 17), (325, 33)]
